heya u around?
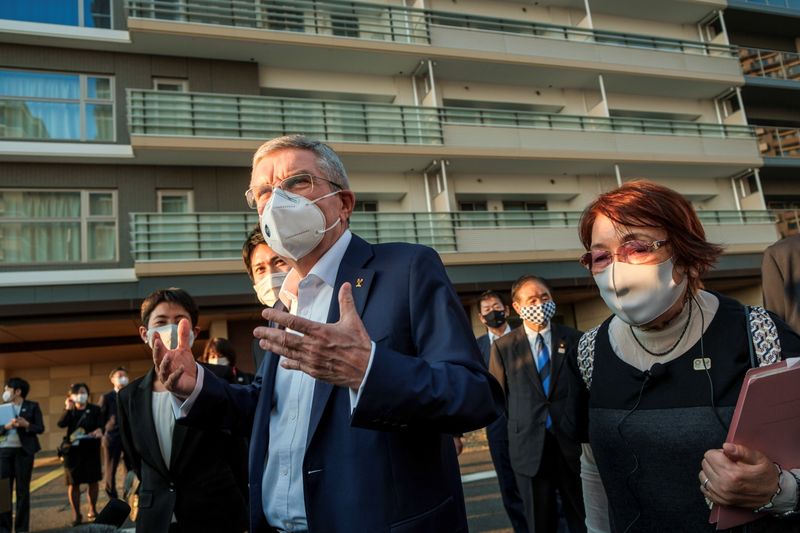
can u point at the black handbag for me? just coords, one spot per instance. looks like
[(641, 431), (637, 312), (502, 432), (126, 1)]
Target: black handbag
[(64, 447)]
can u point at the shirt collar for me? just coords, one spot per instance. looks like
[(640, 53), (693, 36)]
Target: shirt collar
[(326, 269), (493, 337), (532, 334)]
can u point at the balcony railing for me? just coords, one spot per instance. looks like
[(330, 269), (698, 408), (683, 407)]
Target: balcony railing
[(786, 4), (257, 117), (770, 63), (362, 20), (321, 17), (260, 117), (193, 236), (529, 119), (778, 142)]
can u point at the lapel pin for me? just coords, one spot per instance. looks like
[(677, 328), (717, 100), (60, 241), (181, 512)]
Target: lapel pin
[(359, 282), (562, 348)]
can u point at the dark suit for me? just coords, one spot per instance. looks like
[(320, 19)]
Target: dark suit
[(112, 443), (199, 485), (497, 435), (391, 465), (17, 464), (543, 460), (780, 280)]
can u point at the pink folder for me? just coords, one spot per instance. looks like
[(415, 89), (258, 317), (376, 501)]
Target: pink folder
[(767, 418)]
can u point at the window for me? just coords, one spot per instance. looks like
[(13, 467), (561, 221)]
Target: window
[(730, 104), (171, 84), (344, 24), (472, 206), (524, 206), (366, 206), (88, 13), (175, 201), (56, 106), (284, 16), (58, 226)]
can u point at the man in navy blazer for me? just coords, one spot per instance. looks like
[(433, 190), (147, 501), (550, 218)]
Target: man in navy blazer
[(352, 420)]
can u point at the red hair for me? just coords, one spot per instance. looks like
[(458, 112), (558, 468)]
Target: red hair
[(642, 203)]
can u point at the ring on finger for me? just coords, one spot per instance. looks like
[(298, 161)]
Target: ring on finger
[(705, 483)]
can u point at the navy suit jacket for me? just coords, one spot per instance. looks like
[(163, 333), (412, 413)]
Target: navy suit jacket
[(391, 465)]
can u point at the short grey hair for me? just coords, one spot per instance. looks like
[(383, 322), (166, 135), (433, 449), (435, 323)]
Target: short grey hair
[(327, 160)]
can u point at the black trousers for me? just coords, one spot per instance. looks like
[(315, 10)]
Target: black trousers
[(112, 453), (539, 492), (17, 466), (512, 501)]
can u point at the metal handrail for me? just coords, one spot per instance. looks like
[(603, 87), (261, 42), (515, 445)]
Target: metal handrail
[(219, 235), (364, 20), (258, 117), (766, 63), (778, 142)]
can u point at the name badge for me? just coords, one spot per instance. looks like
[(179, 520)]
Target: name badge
[(702, 363)]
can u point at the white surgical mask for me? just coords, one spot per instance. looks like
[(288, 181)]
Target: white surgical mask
[(268, 288), (638, 294), (7, 395), (169, 336), (219, 361), (293, 225), (81, 398), (122, 381), (538, 314)]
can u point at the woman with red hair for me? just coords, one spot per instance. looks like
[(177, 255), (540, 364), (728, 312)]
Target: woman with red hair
[(659, 379)]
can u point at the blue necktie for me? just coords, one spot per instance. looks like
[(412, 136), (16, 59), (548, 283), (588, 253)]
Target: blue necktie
[(543, 367)]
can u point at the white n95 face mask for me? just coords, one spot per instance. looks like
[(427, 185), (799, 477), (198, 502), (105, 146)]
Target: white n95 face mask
[(293, 225), (269, 287), (169, 336), (639, 294)]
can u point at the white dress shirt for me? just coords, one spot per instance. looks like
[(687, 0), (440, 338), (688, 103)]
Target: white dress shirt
[(493, 337), (546, 334)]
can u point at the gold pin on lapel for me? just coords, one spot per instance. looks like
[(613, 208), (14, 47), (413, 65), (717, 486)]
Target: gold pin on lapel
[(359, 282)]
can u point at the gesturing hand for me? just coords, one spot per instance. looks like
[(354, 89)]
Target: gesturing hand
[(336, 353), (176, 368), (738, 476)]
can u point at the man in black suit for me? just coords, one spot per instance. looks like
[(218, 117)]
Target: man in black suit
[(18, 444), (529, 364), (267, 271), (494, 315), (189, 480), (112, 444)]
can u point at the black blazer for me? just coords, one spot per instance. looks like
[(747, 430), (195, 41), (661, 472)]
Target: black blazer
[(199, 485), (511, 362), (108, 408), (31, 412)]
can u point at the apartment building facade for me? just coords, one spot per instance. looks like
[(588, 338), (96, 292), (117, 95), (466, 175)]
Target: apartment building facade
[(479, 128), (767, 33)]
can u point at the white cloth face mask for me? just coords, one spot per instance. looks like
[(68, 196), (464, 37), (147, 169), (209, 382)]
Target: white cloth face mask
[(122, 380), (293, 225), (80, 398), (169, 336), (7, 395), (638, 294), (269, 287)]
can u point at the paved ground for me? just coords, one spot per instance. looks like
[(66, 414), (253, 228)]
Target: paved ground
[(50, 509)]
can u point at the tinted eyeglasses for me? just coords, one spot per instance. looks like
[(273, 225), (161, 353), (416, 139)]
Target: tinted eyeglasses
[(302, 184), (633, 252)]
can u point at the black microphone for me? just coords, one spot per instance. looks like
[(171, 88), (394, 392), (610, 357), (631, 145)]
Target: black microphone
[(114, 513), (657, 371)]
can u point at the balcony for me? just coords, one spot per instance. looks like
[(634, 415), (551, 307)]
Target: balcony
[(161, 237), (780, 4), (778, 142), (385, 39), (770, 64)]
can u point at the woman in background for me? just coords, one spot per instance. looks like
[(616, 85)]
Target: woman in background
[(84, 423)]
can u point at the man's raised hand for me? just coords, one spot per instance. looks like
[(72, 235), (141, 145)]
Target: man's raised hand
[(176, 368), (336, 353)]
